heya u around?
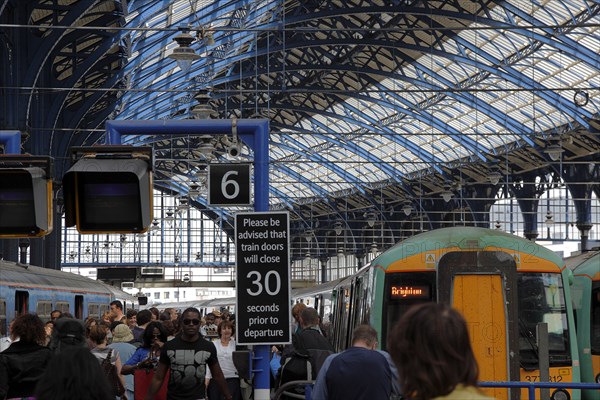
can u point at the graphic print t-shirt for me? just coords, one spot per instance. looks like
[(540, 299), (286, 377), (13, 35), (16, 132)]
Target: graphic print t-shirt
[(188, 362)]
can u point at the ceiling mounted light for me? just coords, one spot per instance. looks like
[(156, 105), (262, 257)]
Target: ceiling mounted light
[(206, 146), (338, 227), (374, 248), (371, 218), (494, 176), (169, 217), (184, 55), (407, 208), (194, 189), (554, 151), (202, 110), (549, 218), (184, 204), (447, 194)]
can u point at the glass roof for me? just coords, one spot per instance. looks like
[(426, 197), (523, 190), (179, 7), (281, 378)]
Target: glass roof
[(362, 92)]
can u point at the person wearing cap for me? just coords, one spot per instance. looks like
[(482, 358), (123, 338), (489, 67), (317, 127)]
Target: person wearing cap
[(121, 342)]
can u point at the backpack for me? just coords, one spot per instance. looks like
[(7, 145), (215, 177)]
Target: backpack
[(303, 365), (112, 376)]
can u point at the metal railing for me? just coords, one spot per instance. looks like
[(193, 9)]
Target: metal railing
[(530, 386)]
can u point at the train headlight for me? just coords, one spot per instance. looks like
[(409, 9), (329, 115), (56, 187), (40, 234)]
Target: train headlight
[(560, 394), (598, 378)]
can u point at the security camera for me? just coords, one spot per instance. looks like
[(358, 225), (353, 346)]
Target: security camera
[(234, 149)]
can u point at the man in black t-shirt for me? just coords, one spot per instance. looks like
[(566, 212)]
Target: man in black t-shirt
[(187, 356)]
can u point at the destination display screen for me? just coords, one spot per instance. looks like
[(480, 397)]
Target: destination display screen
[(406, 292)]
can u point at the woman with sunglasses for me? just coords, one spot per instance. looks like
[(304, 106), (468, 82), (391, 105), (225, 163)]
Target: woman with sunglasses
[(186, 357), (146, 356)]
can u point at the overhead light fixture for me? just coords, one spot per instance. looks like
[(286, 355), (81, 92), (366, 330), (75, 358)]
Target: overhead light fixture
[(371, 218), (203, 109), (338, 227), (494, 176), (184, 204), (206, 147), (374, 248), (184, 55), (407, 208), (549, 218), (169, 217), (308, 234), (447, 194), (202, 173), (554, 151), (194, 189)]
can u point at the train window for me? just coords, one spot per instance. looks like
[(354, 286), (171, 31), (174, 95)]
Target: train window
[(595, 328), (93, 310), (62, 306), (43, 309), (542, 300), (403, 290), (3, 318)]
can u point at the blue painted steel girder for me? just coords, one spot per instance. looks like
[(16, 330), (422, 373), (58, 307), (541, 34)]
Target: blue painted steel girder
[(420, 115), (318, 159), (434, 161), (338, 140), (568, 46), (502, 119)]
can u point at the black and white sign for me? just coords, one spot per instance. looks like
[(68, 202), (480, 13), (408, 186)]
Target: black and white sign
[(263, 278), (229, 184)]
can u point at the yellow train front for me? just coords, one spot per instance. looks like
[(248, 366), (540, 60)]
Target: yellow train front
[(504, 286)]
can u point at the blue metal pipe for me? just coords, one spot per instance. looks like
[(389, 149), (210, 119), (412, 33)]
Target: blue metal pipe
[(12, 141)]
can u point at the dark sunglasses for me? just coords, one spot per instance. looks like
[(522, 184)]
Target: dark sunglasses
[(191, 321)]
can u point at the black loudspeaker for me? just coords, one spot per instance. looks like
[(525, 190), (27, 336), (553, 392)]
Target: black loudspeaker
[(25, 197), (109, 195)]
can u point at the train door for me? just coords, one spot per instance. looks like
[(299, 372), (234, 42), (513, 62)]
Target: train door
[(477, 284), (79, 307), (21, 302)]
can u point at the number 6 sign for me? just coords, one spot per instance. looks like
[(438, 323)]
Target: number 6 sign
[(229, 184)]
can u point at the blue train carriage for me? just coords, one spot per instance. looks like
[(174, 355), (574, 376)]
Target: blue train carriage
[(586, 302), (504, 286), (26, 288)]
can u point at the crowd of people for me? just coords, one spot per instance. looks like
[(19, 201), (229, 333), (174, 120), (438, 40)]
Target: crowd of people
[(153, 355)]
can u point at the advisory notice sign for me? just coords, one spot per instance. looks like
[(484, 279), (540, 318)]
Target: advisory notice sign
[(262, 278)]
